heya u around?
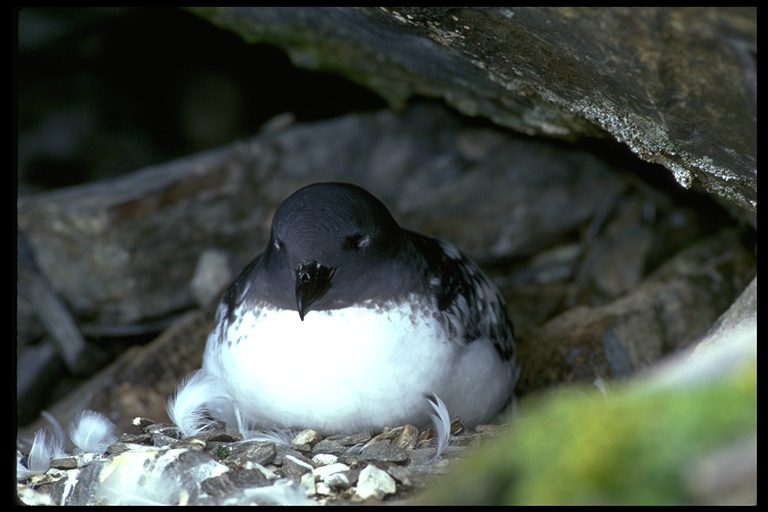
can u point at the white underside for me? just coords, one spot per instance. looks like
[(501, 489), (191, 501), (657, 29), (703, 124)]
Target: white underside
[(346, 370)]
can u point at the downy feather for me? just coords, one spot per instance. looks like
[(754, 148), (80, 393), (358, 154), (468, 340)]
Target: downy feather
[(44, 447), (59, 438), (251, 432), (92, 432), (197, 395)]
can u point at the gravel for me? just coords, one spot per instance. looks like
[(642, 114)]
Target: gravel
[(156, 465)]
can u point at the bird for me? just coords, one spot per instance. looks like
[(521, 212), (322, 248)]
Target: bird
[(347, 321)]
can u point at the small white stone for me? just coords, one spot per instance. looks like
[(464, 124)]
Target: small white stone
[(373, 482), (324, 459), (323, 472)]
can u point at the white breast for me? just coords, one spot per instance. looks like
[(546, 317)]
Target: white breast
[(353, 369)]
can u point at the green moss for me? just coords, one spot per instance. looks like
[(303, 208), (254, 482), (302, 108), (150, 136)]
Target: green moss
[(577, 446)]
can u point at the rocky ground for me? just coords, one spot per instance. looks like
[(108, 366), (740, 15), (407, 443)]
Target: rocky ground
[(155, 465)]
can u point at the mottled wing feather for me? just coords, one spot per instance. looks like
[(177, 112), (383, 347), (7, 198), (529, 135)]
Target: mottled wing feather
[(463, 291)]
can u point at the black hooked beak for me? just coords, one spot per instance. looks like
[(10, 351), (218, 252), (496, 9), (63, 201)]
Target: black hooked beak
[(312, 280)]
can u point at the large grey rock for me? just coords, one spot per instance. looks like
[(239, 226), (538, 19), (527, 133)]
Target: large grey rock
[(664, 314), (677, 85)]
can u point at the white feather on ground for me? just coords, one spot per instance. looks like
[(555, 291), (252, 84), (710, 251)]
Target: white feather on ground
[(92, 432), (357, 448), (251, 432), (442, 423), (197, 395), (44, 447)]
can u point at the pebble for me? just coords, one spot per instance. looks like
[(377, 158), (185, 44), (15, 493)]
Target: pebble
[(403, 475), (323, 472), (343, 480), (374, 483), (161, 440), (308, 436), (323, 459), (406, 437), (292, 466), (384, 453), (64, 463), (141, 423), (255, 452), (282, 451)]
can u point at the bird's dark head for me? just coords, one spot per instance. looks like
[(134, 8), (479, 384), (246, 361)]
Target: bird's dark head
[(330, 241)]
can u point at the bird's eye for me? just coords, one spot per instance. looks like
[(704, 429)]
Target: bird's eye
[(278, 244), (358, 241)]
